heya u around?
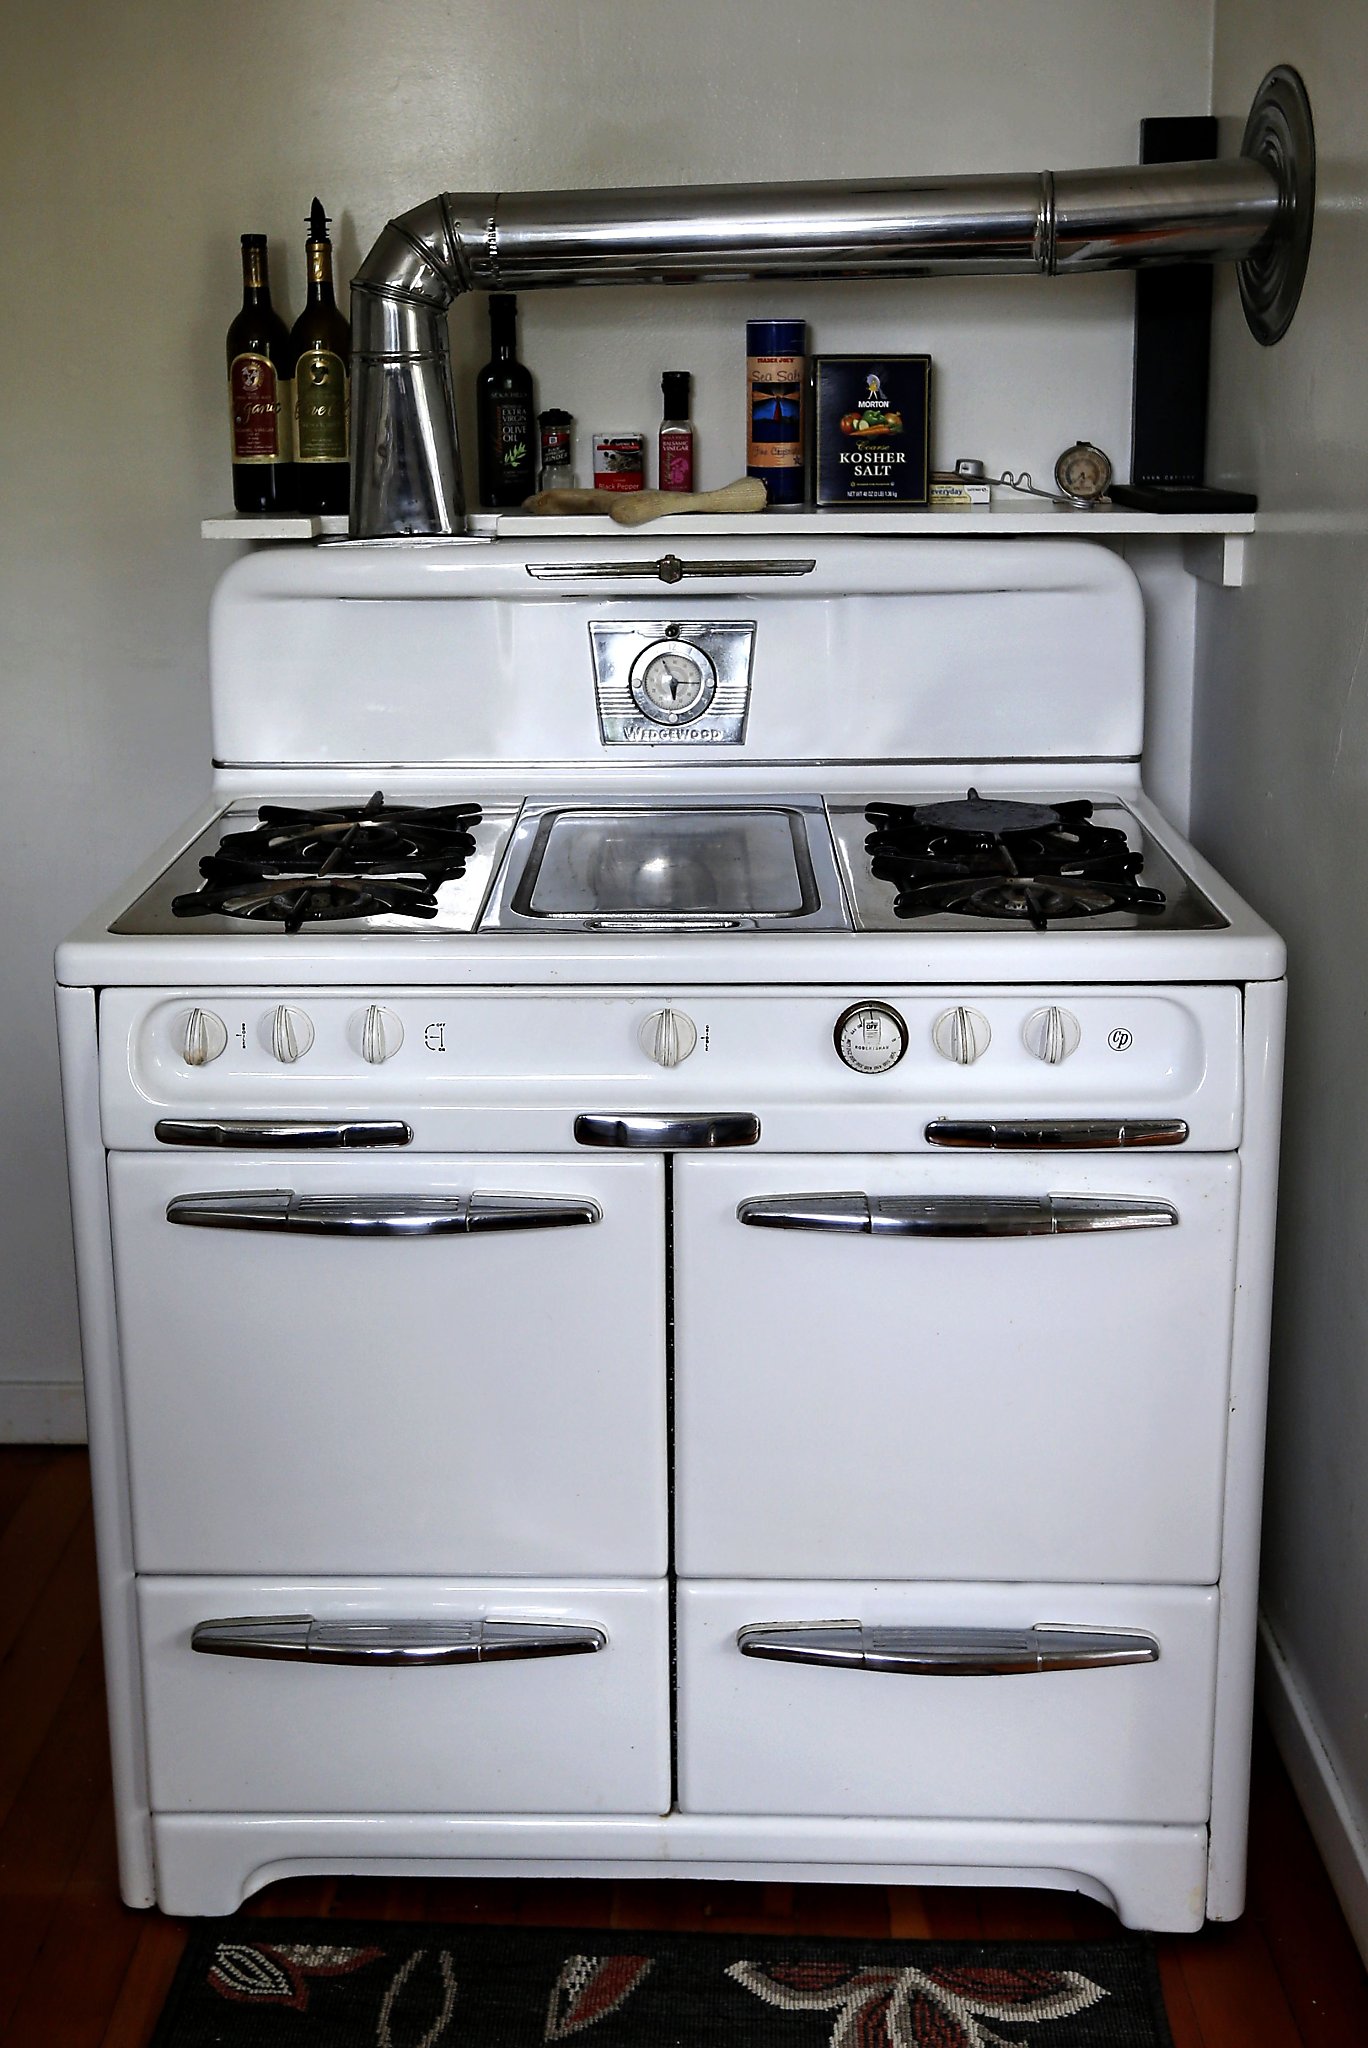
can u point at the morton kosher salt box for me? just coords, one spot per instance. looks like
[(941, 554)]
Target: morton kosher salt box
[(872, 429)]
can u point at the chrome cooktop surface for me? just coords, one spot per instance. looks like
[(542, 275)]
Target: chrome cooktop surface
[(696, 864)]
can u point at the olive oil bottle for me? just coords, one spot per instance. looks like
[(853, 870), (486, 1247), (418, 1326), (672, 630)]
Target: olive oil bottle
[(504, 412), (321, 344), (260, 399)]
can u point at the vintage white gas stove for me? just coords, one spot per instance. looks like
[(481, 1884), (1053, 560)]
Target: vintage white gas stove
[(507, 1458)]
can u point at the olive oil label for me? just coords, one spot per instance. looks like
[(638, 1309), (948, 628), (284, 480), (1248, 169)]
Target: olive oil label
[(322, 407), (512, 435), (258, 403)]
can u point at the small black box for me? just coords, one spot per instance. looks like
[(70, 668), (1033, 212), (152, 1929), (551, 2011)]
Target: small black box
[(872, 431)]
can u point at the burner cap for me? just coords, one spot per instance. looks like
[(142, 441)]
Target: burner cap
[(989, 815)]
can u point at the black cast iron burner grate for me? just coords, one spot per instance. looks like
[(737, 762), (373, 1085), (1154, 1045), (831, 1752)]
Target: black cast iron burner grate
[(993, 857), (342, 861)]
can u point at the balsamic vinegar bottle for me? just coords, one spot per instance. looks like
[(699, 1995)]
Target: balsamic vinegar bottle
[(321, 343), (260, 369), (503, 411)]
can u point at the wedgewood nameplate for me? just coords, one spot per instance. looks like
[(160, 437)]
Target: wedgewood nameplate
[(672, 683)]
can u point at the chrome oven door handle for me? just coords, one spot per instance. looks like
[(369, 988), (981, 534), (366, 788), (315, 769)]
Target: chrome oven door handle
[(946, 1652), (280, 1209), (249, 1134), (643, 1130), (955, 1215), (300, 1639), (1056, 1134)]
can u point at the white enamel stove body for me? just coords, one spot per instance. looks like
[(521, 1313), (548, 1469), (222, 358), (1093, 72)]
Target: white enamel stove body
[(939, 1260)]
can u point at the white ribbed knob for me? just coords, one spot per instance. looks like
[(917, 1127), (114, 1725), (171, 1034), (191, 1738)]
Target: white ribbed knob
[(1051, 1034), (291, 1034), (667, 1037), (381, 1035), (202, 1038), (962, 1035)]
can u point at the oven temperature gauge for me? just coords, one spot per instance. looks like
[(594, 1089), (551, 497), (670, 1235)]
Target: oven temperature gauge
[(871, 1037)]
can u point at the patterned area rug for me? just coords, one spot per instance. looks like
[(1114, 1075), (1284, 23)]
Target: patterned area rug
[(301, 1984)]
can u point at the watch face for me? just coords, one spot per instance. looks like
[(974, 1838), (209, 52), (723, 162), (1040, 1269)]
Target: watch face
[(1083, 472)]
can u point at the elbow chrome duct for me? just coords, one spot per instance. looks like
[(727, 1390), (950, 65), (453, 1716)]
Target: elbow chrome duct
[(1254, 209)]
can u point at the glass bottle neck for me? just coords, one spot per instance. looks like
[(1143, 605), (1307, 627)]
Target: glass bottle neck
[(256, 282), (319, 256)]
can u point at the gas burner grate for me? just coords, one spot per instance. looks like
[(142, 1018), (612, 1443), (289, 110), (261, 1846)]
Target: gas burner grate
[(992, 857), (342, 861)]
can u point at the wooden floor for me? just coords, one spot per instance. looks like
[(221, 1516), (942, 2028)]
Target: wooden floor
[(78, 1970)]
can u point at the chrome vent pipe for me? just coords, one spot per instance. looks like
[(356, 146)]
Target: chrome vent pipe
[(1254, 209)]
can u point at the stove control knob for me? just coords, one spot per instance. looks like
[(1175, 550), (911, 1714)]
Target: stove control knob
[(291, 1034), (202, 1037), (1051, 1034), (667, 1037), (962, 1035), (379, 1034)]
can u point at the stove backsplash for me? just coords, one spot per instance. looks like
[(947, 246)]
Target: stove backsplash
[(465, 654)]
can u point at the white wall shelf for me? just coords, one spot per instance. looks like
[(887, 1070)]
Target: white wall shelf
[(1214, 543)]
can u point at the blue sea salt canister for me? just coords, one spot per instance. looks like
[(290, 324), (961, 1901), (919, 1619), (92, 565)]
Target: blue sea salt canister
[(776, 388)]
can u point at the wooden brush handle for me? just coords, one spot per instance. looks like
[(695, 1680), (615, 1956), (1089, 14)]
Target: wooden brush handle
[(565, 501), (636, 508)]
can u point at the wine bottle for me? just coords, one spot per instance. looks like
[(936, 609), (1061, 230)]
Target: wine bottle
[(320, 341), (260, 366), (504, 413)]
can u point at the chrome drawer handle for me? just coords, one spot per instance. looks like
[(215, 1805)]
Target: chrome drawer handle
[(252, 1136), (643, 1130), (1058, 1134), (669, 569), (381, 1215), (946, 1652), (955, 1215), (300, 1639)]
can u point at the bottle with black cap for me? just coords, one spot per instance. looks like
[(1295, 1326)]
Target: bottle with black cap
[(504, 412), (260, 362), (676, 470), (321, 342)]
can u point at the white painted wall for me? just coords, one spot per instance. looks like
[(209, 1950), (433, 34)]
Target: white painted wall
[(1281, 804), (138, 142)]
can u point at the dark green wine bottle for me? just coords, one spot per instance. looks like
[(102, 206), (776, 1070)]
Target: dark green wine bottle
[(260, 399), (321, 344), (504, 413)]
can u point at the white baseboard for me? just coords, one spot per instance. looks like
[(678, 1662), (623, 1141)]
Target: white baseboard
[(1338, 1828), (42, 1412)]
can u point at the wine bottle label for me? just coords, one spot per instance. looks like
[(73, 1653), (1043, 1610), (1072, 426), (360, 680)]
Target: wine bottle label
[(258, 403), (512, 436), (321, 407)]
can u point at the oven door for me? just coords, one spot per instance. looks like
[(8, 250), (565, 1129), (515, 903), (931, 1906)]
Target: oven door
[(374, 1365), (967, 1368)]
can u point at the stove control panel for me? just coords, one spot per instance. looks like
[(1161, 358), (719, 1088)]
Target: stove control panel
[(822, 1068)]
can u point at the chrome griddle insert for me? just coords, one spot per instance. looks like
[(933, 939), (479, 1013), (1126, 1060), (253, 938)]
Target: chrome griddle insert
[(670, 864)]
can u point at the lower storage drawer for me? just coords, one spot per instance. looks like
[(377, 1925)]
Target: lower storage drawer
[(559, 1704), (947, 1728)]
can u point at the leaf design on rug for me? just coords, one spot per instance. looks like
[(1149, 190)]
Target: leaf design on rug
[(941, 2007), (418, 1998), (588, 1989), (278, 1973)]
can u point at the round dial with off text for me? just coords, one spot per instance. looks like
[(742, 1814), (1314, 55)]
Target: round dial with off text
[(871, 1037)]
